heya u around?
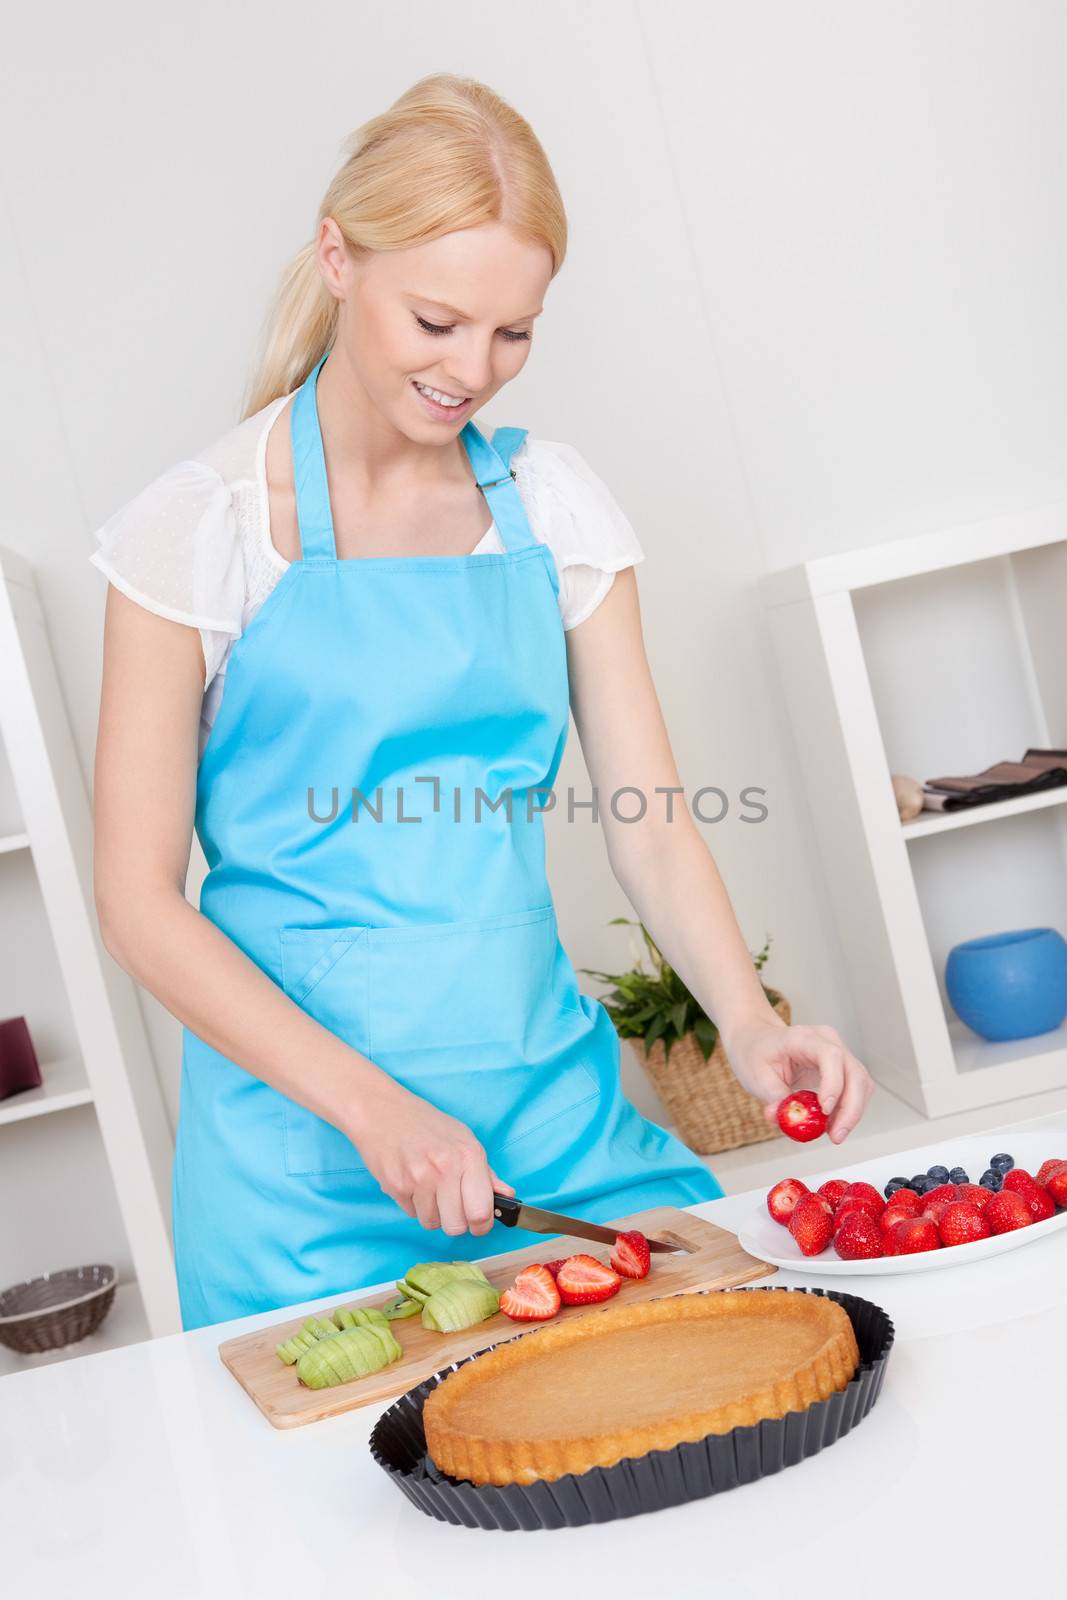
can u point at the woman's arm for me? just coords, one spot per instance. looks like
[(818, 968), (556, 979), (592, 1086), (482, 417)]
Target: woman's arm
[(144, 803), (670, 876)]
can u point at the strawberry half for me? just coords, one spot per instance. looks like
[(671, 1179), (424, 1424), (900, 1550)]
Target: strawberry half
[(631, 1257), (583, 1280), (783, 1197), (800, 1116), (532, 1297)]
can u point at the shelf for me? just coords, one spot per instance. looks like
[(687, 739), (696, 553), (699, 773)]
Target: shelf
[(64, 1086), (124, 1324), (943, 821), (13, 841)]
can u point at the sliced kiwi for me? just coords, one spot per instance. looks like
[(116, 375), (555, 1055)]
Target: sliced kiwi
[(460, 1304), (403, 1306), (352, 1353), (357, 1316), (423, 1279), (313, 1330)]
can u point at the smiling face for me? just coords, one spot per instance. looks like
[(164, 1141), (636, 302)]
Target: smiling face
[(456, 316)]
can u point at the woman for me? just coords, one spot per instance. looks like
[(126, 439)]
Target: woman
[(318, 653)]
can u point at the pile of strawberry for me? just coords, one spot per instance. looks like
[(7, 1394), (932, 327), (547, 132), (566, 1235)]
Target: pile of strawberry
[(859, 1224), (540, 1289)]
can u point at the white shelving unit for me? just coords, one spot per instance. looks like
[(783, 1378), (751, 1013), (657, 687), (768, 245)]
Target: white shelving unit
[(84, 1160), (935, 654)]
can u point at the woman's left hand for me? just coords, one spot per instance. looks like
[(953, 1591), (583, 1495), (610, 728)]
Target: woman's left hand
[(770, 1060)]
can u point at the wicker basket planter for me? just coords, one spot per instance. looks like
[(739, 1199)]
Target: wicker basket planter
[(707, 1105)]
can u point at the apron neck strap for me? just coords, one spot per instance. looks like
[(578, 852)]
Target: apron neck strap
[(489, 462), (313, 516)]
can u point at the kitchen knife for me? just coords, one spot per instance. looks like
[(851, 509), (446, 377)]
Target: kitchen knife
[(514, 1214)]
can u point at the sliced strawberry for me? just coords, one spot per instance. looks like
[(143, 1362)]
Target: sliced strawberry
[(834, 1190), (631, 1257), (783, 1197), (859, 1237), (812, 1224), (961, 1223), (583, 1280), (867, 1191), (1047, 1168), (532, 1297), (1007, 1211)]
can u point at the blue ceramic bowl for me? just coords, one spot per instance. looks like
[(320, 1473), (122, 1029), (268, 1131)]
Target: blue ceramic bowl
[(1009, 985)]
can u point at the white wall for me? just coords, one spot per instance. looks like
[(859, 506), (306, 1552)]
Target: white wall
[(813, 301)]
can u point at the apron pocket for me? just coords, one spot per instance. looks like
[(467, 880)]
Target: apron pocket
[(322, 972)]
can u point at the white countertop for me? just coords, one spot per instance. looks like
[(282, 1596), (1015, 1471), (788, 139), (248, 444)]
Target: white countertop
[(147, 1469)]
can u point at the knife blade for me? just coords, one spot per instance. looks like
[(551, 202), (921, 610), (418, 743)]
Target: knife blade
[(515, 1213)]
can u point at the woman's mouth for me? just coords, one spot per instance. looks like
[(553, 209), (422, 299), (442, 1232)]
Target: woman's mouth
[(441, 405)]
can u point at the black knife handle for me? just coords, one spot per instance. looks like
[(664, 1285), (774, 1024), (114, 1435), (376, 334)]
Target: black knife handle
[(506, 1209)]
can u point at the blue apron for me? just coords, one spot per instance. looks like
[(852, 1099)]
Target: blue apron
[(369, 803)]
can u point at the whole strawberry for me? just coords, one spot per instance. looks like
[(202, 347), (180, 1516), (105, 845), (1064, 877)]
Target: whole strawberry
[(961, 1223), (812, 1224), (859, 1238), (943, 1191), (906, 1201), (935, 1210), (1006, 1211), (850, 1205), (975, 1194), (834, 1190), (1040, 1202), (800, 1116), (1057, 1186), (1047, 1168), (867, 1191), (783, 1197), (915, 1234)]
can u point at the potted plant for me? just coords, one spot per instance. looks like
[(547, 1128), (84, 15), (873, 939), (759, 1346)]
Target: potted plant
[(679, 1047)]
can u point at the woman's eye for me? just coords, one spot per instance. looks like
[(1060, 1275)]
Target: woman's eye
[(435, 327)]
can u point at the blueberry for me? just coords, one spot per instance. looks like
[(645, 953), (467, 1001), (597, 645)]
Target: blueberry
[(958, 1175), (1001, 1163), (893, 1185), (922, 1184), (939, 1174), (992, 1180)]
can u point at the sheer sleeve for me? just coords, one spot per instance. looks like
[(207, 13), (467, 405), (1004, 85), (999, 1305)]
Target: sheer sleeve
[(175, 549), (572, 510)]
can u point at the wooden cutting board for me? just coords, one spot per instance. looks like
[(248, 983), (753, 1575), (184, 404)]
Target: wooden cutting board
[(714, 1260)]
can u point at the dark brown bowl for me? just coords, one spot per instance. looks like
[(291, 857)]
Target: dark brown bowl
[(56, 1309)]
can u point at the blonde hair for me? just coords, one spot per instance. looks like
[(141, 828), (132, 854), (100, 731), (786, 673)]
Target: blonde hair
[(448, 154)]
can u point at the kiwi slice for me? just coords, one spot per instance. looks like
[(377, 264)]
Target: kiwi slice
[(403, 1306), (357, 1316), (353, 1353), (423, 1279), (460, 1304), (313, 1330)]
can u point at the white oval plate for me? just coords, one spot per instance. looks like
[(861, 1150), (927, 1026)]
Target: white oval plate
[(769, 1241)]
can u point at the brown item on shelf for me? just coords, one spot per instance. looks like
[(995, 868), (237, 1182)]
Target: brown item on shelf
[(636, 1378), (712, 1259), (709, 1108), (1005, 780), (19, 1068), (56, 1309)]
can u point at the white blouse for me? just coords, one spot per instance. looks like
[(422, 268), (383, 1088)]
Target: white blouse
[(195, 546)]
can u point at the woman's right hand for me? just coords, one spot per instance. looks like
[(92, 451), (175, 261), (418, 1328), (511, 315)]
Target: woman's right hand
[(428, 1162)]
